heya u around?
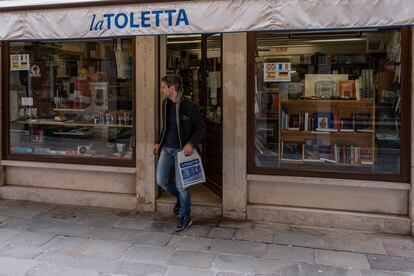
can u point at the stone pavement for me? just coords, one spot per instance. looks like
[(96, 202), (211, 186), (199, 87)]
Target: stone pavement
[(45, 239)]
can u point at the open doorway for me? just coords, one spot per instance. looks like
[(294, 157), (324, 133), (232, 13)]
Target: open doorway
[(197, 59)]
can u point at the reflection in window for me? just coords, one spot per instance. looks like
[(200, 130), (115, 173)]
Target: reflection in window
[(71, 98), (328, 101)]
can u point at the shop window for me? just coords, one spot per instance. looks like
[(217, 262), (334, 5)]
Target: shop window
[(71, 100), (330, 104)]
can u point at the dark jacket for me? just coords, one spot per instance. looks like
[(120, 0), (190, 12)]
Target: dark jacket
[(190, 124)]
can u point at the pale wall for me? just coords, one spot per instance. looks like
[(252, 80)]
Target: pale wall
[(2, 169), (411, 203), (112, 182), (146, 119), (234, 125), (330, 197)]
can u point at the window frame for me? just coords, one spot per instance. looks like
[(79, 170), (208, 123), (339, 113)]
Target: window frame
[(7, 155), (405, 138)]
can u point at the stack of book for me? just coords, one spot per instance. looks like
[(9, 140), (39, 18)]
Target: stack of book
[(326, 122), (313, 150)]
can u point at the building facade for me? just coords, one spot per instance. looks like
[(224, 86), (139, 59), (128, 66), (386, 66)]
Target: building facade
[(308, 113)]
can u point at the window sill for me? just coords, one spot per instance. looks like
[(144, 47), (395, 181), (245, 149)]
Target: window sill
[(63, 166)]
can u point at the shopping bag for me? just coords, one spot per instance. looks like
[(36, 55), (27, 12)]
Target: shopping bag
[(190, 169)]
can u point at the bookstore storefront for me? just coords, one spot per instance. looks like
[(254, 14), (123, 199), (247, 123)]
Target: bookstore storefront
[(315, 110), (329, 105)]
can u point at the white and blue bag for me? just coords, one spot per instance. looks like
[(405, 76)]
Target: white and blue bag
[(190, 169)]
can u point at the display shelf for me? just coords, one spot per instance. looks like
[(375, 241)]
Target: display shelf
[(332, 103), (331, 134), (267, 118), (68, 110), (67, 123), (352, 147)]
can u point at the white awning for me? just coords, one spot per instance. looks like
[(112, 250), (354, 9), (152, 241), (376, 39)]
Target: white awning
[(201, 17)]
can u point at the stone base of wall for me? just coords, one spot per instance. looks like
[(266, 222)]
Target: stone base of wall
[(69, 197), (332, 219)]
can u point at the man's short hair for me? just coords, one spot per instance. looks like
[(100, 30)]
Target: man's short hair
[(173, 81)]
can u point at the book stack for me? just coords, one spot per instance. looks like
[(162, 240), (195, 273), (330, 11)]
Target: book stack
[(326, 122), (313, 150), (366, 84)]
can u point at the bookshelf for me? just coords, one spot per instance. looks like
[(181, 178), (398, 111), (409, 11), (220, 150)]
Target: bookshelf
[(340, 132)]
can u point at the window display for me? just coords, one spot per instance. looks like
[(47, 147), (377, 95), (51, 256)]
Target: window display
[(71, 99), (329, 102)]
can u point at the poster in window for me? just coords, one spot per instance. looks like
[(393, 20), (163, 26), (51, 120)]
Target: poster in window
[(277, 72), (19, 62)]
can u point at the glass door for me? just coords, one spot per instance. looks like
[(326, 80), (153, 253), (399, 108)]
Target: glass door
[(213, 110)]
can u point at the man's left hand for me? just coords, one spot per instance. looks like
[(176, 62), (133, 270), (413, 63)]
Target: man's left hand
[(188, 150)]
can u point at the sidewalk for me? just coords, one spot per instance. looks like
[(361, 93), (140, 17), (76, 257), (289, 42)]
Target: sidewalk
[(46, 239)]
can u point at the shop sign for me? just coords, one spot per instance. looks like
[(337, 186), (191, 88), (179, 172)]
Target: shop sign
[(19, 62), (277, 72), (35, 71), (143, 19)]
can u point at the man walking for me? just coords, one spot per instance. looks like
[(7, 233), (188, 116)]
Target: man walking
[(182, 129)]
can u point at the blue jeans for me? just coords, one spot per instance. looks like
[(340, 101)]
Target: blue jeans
[(168, 160)]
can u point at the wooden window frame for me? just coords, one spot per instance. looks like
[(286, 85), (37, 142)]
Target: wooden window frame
[(50, 158), (405, 138)]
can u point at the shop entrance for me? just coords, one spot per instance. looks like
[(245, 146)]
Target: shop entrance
[(197, 59)]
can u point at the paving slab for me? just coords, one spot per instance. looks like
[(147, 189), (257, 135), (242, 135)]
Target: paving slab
[(106, 233), (196, 231), (212, 222), (6, 234), (24, 211), (64, 243), (235, 223), (16, 223), (53, 256), (382, 273), (148, 254), (192, 259), (152, 238), (106, 249), (128, 235), (101, 220), (255, 235), (62, 214), (100, 264), (133, 223), (66, 240), (290, 253), (354, 242), (301, 237), (235, 263), (223, 233), (187, 271), (60, 228), (346, 260), (228, 273), (323, 270), (391, 263), (163, 226), (277, 267), (53, 270), (239, 247), (16, 267), (190, 243), (399, 247), (140, 269), (30, 239), (20, 252)]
